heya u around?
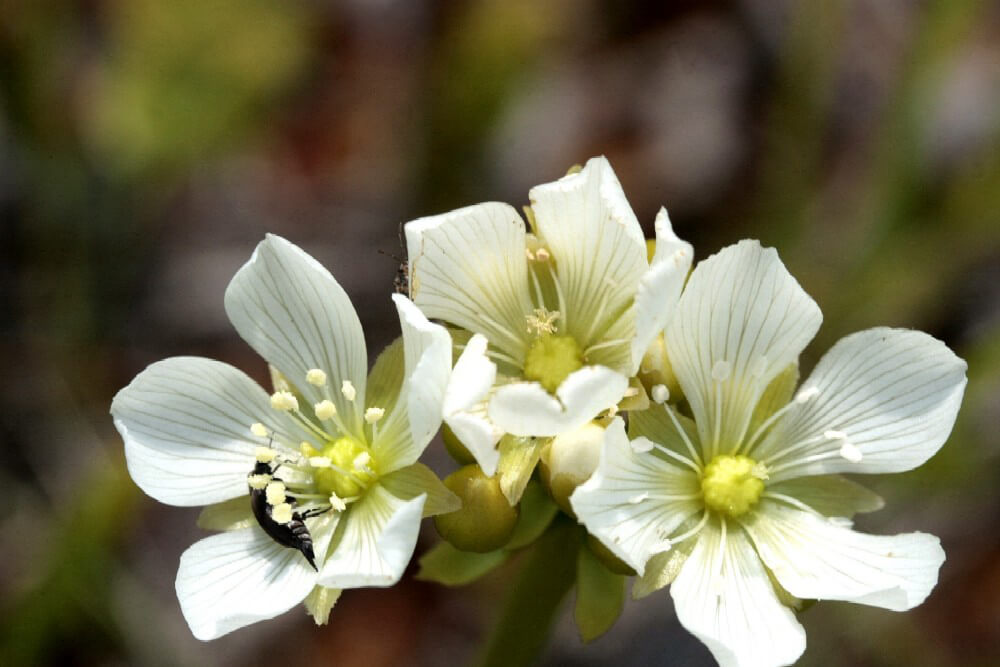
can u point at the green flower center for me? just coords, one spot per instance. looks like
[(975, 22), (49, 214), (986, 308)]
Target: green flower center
[(551, 358), (732, 484), (351, 470)]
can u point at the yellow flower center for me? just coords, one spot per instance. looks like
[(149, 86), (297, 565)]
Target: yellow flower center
[(347, 471), (732, 484), (551, 358)]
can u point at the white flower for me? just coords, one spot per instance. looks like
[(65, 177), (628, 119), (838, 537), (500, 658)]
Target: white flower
[(749, 490), (567, 311), (194, 429)]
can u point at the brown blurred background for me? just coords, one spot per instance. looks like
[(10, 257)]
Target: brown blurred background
[(146, 147)]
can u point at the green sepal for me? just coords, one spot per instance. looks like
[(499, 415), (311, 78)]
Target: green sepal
[(232, 514), (518, 457), (776, 396), (661, 570), (320, 601), (830, 495), (537, 512), (600, 596), (409, 482), (385, 381), (444, 564)]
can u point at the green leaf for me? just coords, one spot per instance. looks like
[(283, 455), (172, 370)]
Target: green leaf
[(518, 457), (409, 482), (232, 514), (600, 596), (537, 512), (444, 564), (534, 599)]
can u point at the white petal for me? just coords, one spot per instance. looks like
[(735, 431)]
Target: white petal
[(891, 394), (624, 502), (660, 287), (427, 354), (230, 580), (741, 320), (597, 244), (465, 403), (525, 408), (289, 308), (724, 597), (378, 538), (818, 559), (186, 426), (468, 267)]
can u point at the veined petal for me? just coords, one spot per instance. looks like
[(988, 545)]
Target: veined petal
[(660, 287), (724, 597), (741, 320), (525, 408), (289, 308), (375, 542), (465, 404), (814, 558), (884, 400), (634, 501), (186, 426), (468, 267), (233, 579), (597, 244), (427, 355)]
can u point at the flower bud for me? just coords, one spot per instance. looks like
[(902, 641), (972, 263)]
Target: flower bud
[(569, 461), (486, 520)]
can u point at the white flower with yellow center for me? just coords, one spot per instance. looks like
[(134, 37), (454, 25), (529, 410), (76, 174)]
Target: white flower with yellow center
[(562, 316), (333, 447), (743, 509)]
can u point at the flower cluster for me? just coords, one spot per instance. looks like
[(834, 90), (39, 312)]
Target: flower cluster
[(658, 407)]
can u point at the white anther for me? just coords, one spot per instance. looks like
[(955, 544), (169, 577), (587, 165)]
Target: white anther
[(660, 393), (372, 415), (258, 482), (264, 454), (760, 471), (320, 462), (259, 430), (636, 499), (325, 409), (284, 401), (630, 392), (337, 503), (851, 452), (721, 370), (275, 492), (807, 394), (663, 546), (361, 461), (834, 435), (316, 377), (282, 513), (612, 411), (530, 255), (348, 390), (641, 445), (542, 255)]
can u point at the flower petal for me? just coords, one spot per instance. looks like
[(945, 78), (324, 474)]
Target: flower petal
[(468, 267), (186, 426), (465, 404), (525, 408), (815, 558), (660, 287), (724, 597), (889, 396), (376, 540), (233, 579), (597, 244), (634, 501), (289, 308), (741, 320)]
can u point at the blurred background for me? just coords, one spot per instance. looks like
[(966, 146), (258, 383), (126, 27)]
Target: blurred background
[(147, 146)]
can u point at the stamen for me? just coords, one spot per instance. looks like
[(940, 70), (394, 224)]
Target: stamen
[(264, 454), (316, 377), (851, 452), (559, 293), (539, 297), (542, 322), (794, 502), (348, 390), (806, 394), (259, 430), (320, 462), (674, 541), (282, 513), (677, 457), (768, 423), (530, 255), (603, 344), (258, 482), (641, 445), (612, 411), (325, 409), (660, 393), (284, 401), (275, 493), (542, 255), (372, 415), (337, 503), (630, 392), (684, 436), (361, 461)]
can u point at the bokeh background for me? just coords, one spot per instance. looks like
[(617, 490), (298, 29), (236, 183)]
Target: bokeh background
[(147, 146)]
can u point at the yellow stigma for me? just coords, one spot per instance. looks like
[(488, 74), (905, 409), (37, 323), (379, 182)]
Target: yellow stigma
[(275, 493), (325, 410), (259, 430), (732, 484), (316, 377), (284, 401), (339, 471), (551, 358), (282, 513)]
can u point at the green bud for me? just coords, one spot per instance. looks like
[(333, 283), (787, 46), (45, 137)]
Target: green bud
[(455, 448), (486, 520), (607, 558), (569, 461)]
